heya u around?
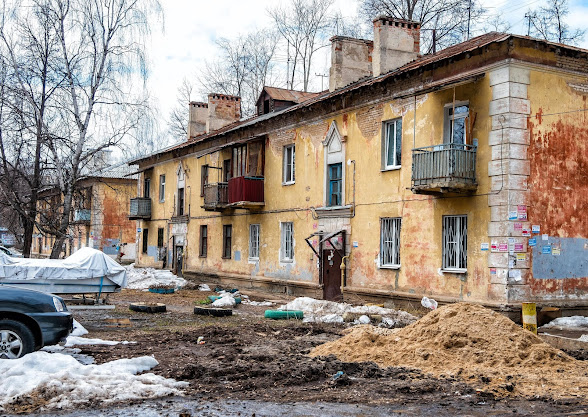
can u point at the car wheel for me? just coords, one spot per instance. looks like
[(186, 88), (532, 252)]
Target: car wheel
[(16, 339)]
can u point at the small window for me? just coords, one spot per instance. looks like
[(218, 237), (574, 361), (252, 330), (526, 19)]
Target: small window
[(161, 188), (226, 170), (253, 241), (145, 239), (180, 202), (203, 251), (203, 179), (392, 145), (266, 106), (147, 188), (390, 242), (455, 242), (287, 242), (335, 182), (160, 237), (289, 164), (455, 123), (227, 234), (239, 161)]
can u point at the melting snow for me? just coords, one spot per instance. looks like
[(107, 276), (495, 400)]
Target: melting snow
[(63, 382), (78, 341), (203, 287), (567, 322), (143, 278)]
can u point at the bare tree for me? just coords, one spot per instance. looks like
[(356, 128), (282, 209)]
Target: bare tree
[(443, 22), (72, 65), (178, 116), (548, 23), (302, 24)]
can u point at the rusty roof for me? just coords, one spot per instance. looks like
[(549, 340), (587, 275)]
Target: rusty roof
[(287, 95), (447, 53)]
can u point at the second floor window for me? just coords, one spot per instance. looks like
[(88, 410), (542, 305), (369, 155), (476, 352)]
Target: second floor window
[(455, 123), (227, 236), (335, 184), (181, 198), (392, 145), (203, 178), (147, 188), (289, 164), (161, 188)]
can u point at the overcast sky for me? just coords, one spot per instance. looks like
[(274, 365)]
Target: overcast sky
[(191, 28)]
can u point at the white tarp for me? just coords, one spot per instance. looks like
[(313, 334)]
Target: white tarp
[(83, 264)]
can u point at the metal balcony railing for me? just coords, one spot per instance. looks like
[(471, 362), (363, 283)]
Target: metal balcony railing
[(82, 216), (246, 191), (450, 167), (216, 195), (140, 208)]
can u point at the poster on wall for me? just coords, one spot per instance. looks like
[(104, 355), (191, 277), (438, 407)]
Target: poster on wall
[(522, 212), (526, 232), (546, 250), (512, 215), (521, 257), (536, 228), (484, 246), (533, 241)]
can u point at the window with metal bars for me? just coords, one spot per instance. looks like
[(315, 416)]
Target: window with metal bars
[(253, 241), (227, 235), (287, 245), (455, 242), (390, 242)]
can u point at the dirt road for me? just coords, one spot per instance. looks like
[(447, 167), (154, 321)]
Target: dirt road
[(259, 363)]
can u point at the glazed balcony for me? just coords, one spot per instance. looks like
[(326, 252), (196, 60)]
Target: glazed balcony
[(82, 216), (216, 196), (140, 209), (246, 192), (446, 168)]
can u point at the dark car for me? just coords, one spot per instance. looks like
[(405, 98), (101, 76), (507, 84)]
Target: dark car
[(30, 320)]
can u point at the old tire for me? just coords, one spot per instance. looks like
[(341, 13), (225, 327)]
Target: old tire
[(284, 314), (148, 307), (16, 339), (215, 312)]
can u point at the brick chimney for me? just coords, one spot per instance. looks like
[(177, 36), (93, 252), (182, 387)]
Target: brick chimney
[(222, 110), (197, 119), (396, 43), (351, 60)]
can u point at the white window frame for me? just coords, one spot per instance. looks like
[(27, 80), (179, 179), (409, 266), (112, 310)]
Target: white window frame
[(286, 241), (254, 231), (455, 243), (386, 144), (448, 118), (289, 165), (162, 188), (390, 228)]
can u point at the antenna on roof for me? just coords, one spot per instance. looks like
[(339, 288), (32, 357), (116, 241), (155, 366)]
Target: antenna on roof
[(323, 76)]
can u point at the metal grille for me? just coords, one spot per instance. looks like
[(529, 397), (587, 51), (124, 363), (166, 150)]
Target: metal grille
[(254, 241), (287, 241), (390, 241), (455, 242)]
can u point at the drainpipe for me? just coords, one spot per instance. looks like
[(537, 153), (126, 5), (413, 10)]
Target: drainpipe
[(349, 162), (343, 274)]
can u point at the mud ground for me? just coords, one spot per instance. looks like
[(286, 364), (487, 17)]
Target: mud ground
[(251, 360)]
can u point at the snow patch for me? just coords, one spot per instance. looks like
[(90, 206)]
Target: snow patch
[(583, 338), (567, 322), (79, 341), (203, 287), (78, 329), (226, 300), (63, 382), (143, 278)]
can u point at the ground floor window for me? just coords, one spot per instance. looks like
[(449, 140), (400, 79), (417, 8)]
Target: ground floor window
[(160, 237), (203, 241), (145, 239), (390, 242), (455, 242), (253, 241), (227, 235), (287, 242)]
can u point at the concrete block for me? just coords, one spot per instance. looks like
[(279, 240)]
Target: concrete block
[(501, 276), (498, 213), (518, 293), (497, 292), (499, 228), (507, 89), (509, 105), (509, 166), (509, 151), (509, 74), (502, 121), (498, 260), (506, 197), (509, 182), (518, 281), (509, 135)]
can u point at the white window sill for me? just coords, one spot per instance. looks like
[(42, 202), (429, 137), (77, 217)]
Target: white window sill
[(454, 271), (253, 259), (289, 183), (389, 266), (286, 261), (390, 169)]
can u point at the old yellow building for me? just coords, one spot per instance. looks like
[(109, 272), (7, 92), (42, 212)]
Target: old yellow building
[(460, 175), (99, 219)]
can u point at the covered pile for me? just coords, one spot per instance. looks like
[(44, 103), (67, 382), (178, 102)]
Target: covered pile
[(472, 342)]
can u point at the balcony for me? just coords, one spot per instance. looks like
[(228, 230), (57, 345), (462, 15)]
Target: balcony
[(216, 196), (140, 209), (446, 168), (82, 216), (246, 192)]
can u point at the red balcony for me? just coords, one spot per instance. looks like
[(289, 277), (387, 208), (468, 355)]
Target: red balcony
[(246, 192)]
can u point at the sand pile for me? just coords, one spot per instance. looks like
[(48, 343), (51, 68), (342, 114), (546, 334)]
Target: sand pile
[(474, 343)]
